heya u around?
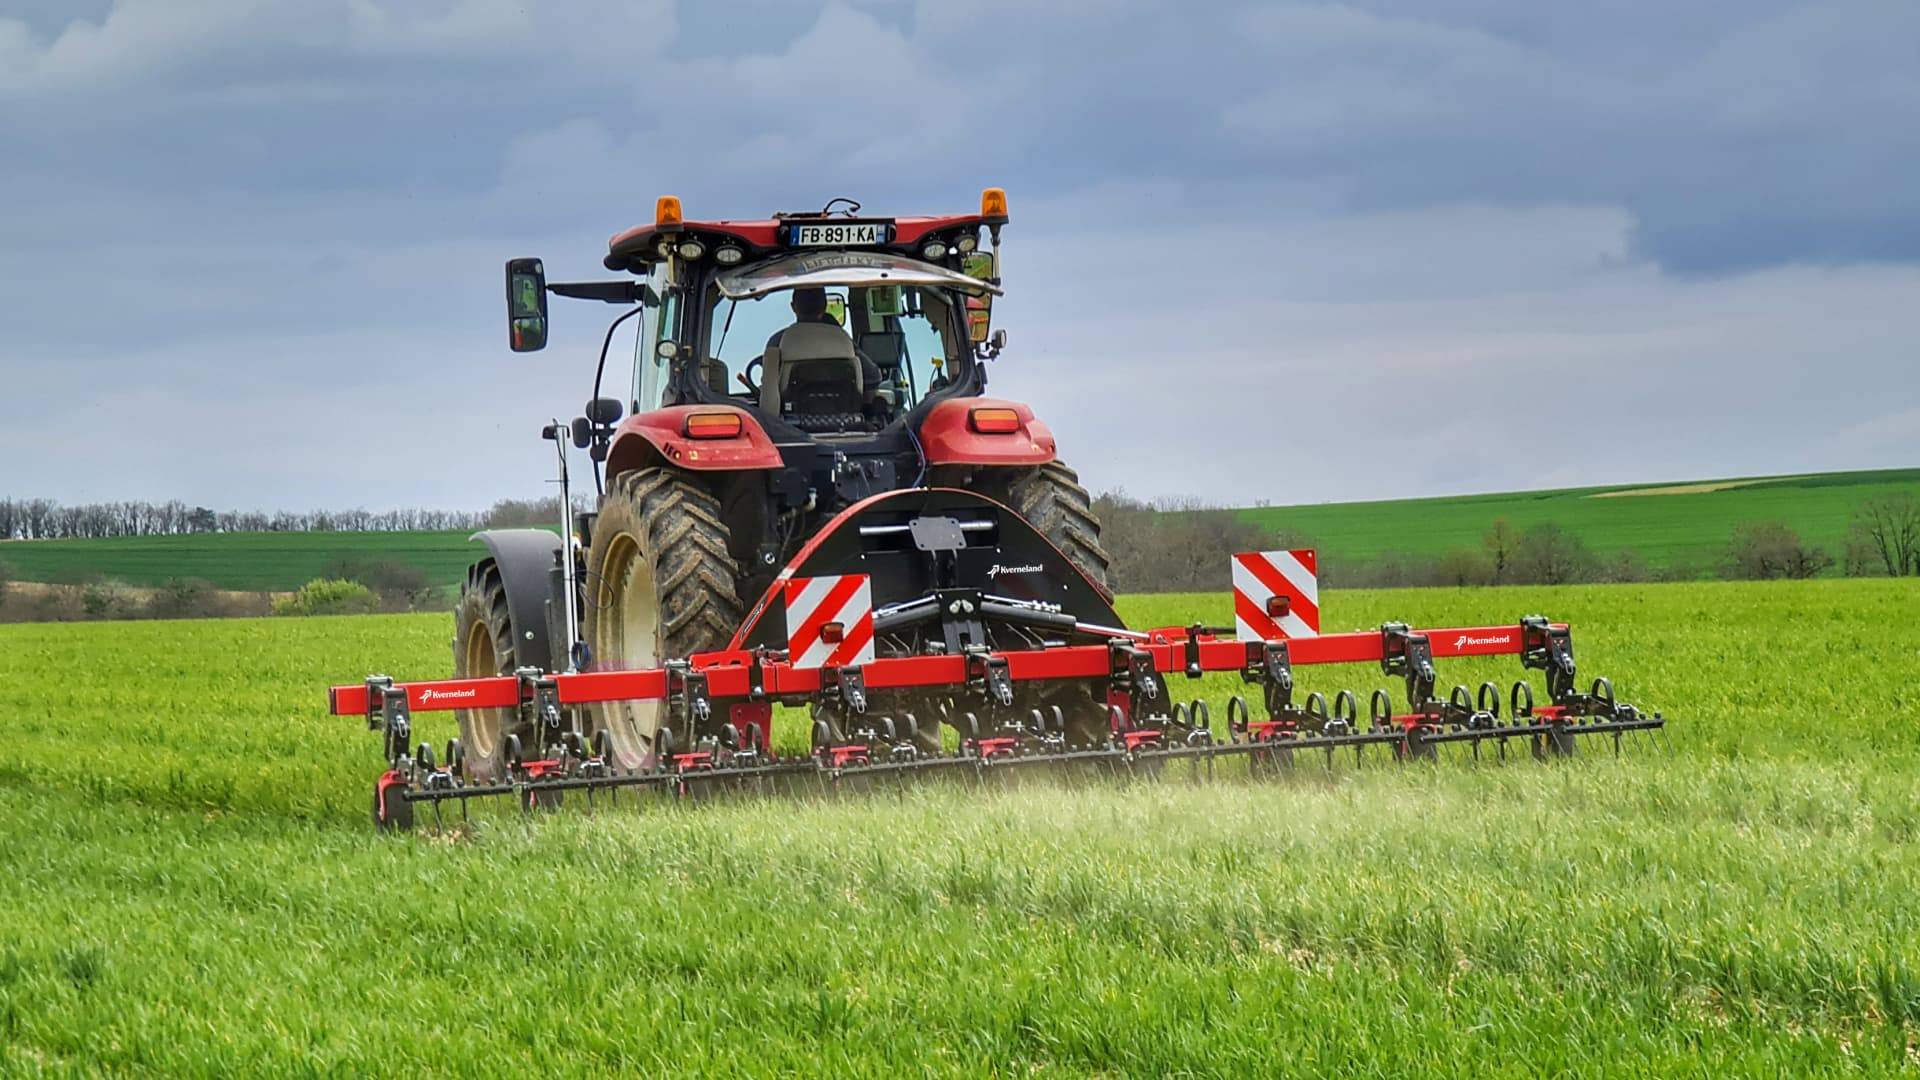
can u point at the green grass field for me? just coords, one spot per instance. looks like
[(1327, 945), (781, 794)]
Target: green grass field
[(1689, 528), (194, 888), (281, 561)]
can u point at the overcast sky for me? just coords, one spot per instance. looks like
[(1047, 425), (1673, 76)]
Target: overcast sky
[(1285, 251)]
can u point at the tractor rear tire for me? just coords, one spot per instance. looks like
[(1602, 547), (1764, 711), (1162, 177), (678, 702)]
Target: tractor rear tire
[(1053, 502), (483, 647), (660, 586), (1051, 499)]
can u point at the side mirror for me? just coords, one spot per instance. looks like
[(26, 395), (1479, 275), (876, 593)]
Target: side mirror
[(604, 410), (526, 305), (979, 308)]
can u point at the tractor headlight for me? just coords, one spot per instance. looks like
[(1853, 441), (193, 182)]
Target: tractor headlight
[(967, 243), (728, 256), (933, 250), (692, 249)]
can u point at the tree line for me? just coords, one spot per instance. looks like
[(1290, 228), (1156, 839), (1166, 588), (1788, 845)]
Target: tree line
[(45, 519)]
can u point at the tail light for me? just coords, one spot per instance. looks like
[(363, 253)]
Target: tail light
[(1278, 607), (994, 421), (711, 425)]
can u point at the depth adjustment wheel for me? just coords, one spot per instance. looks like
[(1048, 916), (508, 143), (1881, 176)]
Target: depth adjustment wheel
[(660, 586)]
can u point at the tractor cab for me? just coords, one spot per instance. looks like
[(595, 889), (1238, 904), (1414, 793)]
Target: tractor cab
[(793, 366), (823, 325)]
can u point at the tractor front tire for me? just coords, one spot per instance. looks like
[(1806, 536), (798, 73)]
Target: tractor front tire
[(660, 586), (483, 647)]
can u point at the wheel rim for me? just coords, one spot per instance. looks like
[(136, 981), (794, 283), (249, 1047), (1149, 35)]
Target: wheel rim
[(480, 660), (629, 638)]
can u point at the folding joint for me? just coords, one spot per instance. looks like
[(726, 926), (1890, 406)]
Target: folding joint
[(377, 687), (1194, 670), (1270, 664), (540, 693), (1548, 648), (849, 684), (989, 674), (687, 694), (1410, 655), (1130, 668), (757, 676), (394, 718)]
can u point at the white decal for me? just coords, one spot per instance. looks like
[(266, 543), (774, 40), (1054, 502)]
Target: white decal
[(1463, 639), (998, 570), (429, 694)]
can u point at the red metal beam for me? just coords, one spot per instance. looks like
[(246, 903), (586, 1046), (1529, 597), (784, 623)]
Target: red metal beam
[(729, 673)]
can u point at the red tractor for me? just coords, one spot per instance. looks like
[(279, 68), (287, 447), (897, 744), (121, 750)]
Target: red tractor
[(811, 502), (808, 391)]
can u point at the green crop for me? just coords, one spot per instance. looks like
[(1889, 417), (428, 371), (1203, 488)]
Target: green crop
[(1684, 524), (193, 887)]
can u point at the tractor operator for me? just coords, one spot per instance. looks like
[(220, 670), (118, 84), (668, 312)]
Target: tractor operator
[(810, 306)]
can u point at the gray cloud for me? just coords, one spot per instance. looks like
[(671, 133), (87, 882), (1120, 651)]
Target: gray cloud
[(243, 221)]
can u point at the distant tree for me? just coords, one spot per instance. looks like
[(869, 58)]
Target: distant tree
[(180, 598), (328, 597), (1177, 545), (398, 585), (1549, 555), (1501, 542), (1466, 566), (1765, 550), (523, 513), (1625, 567), (1888, 528), (6, 579)]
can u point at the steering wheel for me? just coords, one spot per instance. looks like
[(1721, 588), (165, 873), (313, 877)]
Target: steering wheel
[(746, 380)]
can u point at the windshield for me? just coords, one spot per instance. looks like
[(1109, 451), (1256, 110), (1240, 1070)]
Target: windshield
[(904, 335)]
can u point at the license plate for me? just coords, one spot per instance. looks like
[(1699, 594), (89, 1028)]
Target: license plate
[(849, 235)]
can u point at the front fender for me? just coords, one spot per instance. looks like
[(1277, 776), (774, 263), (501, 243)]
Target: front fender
[(948, 439), (526, 559), (656, 438)]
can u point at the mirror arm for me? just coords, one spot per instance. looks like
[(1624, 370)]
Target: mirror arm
[(607, 292)]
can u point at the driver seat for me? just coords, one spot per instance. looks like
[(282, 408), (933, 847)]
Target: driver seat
[(814, 369)]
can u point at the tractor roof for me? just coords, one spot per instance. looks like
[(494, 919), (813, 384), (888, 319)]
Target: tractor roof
[(639, 247)]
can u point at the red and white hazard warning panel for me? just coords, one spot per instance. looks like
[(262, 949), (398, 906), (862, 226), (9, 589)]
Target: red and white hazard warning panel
[(1276, 595), (830, 621)]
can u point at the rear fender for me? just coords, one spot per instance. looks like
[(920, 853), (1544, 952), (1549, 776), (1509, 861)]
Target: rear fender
[(1011, 559), (658, 438), (526, 559), (948, 438)]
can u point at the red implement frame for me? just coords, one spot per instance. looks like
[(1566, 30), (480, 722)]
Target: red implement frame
[(730, 673)]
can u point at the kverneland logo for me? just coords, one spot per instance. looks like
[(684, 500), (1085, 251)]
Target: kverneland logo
[(998, 570), (1468, 639), (430, 694)]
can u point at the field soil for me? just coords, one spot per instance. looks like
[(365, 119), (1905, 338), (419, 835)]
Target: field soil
[(194, 887)]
